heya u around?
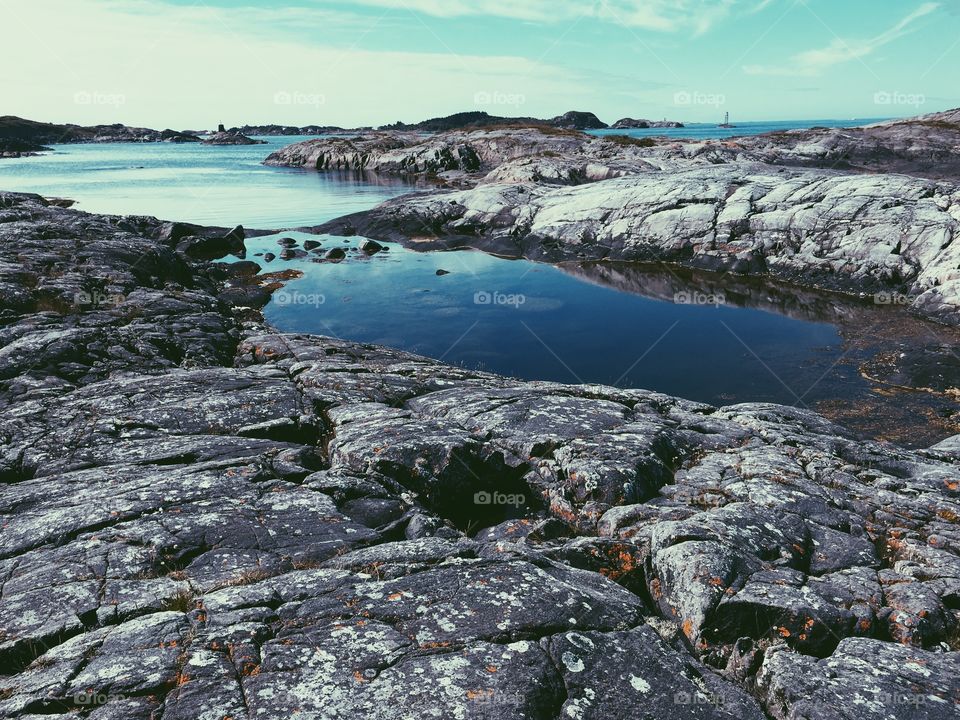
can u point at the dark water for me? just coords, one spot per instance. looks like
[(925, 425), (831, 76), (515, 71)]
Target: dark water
[(535, 321)]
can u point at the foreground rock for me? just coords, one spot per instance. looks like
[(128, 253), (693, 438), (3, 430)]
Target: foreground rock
[(203, 518)]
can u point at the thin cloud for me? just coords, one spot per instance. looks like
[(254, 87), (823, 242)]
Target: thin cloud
[(815, 62), (698, 16)]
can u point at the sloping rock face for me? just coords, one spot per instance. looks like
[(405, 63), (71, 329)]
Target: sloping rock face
[(250, 524), (732, 206), (877, 233), (926, 146)]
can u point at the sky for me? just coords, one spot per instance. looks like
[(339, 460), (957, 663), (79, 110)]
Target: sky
[(190, 65)]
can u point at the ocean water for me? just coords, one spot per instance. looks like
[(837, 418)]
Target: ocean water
[(206, 184), (706, 131)]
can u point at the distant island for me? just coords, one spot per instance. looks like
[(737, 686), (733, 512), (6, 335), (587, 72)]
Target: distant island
[(19, 136)]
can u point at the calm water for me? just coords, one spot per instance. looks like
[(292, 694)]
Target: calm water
[(704, 131), (206, 184), (530, 320)]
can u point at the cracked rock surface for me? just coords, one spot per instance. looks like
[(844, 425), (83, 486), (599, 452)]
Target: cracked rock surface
[(203, 518)]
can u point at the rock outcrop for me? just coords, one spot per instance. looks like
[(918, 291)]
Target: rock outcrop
[(729, 206), (204, 518), (223, 137), (578, 120), (533, 154), (880, 233), (633, 123), (14, 148)]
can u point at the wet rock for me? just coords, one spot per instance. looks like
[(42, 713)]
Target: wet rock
[(371, 247), (335, 254)]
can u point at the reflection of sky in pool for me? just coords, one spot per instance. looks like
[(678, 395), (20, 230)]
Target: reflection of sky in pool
[(535, 321)]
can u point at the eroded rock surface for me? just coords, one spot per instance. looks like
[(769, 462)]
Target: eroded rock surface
[(822, 207), (203, 518)]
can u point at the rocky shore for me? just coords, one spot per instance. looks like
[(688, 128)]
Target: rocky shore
[(827, 208), (204, 518)]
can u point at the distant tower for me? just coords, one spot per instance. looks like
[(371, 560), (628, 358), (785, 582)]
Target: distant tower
[(221, 128)]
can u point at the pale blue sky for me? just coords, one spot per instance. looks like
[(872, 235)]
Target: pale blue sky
[(192, 64)]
